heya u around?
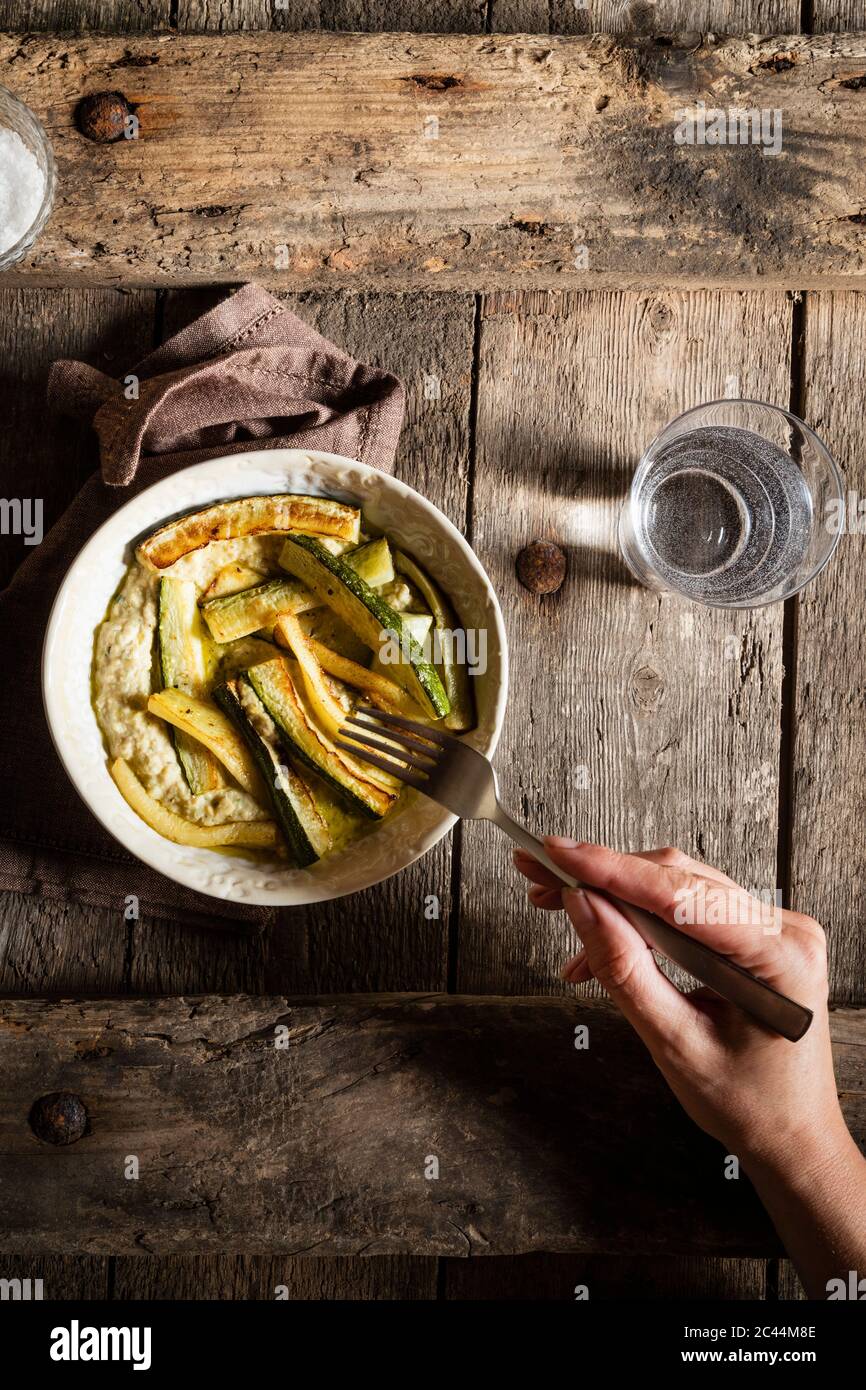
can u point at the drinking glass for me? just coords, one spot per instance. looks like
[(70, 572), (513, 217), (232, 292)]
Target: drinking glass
[(18, 117), (736, 504)]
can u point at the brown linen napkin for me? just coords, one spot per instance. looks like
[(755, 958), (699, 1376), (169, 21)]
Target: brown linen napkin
[(248, 374)]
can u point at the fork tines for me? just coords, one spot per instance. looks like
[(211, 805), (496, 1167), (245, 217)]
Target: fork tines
[(412, 749)]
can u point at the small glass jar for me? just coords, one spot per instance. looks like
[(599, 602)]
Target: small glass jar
[(14, 115)]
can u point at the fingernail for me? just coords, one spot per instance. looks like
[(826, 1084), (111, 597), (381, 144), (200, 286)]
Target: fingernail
[(561, 841), (578, 905)]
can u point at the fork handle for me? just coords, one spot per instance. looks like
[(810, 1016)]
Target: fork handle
[(776, 1011)]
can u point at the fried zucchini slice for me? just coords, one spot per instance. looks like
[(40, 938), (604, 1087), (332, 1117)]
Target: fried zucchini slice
[(203, 721), (231, 579), (237, 615), (373, 562), (294, 804), (374, 685), (343, 590), (275, 687), (184, 661), (248, 516), (327, 710), (453, 674), (255, 834)]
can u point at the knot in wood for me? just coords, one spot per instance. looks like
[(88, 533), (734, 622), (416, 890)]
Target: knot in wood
[(647, 688), (58, 1118), (661, 316)]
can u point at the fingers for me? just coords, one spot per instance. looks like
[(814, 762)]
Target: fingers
[(576, 971), (673, 858), (716, 911), (613, 953), (618, 958), (668, 857), (550, 899)]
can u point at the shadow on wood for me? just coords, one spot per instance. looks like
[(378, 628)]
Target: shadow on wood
[(262, 1125)]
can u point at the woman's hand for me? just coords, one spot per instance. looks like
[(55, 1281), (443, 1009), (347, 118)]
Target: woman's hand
[(771, 1102)]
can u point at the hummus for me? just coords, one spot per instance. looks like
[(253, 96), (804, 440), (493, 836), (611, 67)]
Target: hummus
[(124, 677)]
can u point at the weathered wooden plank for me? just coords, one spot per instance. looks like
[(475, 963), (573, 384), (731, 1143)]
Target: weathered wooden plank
[(498, 16), (790, 1288), (327, 1145), (567, 1278), (838, 16), (192, 1277), (543, 146), (120, 16), (646, 17), (634, 719), (829, 760), (44, 944), (220, 16), (63, 1276)]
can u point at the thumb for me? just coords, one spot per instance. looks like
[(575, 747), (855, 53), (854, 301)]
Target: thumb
[(624, 966)]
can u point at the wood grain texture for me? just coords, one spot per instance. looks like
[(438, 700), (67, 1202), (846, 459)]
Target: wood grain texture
[(790, 1288), (119, 16), (498, 16), (63, 1276), (838, 16), (565, 1278), (635, 719), (306, 1277), (321, 1146), (828, 814), (229, 16), (645, 16), (304, 161)]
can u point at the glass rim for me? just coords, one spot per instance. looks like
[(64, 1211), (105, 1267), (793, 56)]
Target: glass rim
[(835, 474)]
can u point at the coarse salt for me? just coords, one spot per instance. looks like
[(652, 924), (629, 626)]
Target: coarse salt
[(22, 188)]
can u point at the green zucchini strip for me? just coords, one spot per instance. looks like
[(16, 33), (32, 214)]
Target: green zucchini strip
[(237, 615), (277, 691), (337, 585), (293, 803), (453, 674)]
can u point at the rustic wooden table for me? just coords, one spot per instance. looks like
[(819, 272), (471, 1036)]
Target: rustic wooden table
[(737, 736)]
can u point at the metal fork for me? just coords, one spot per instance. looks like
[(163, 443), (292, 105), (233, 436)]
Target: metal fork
[(463, 781)]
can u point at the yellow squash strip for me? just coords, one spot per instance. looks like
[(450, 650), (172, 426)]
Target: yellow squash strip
[(249, 516), (379, 688), (328, 710), (259, 834), (203, 721), (325, 708), (186, 659), (231, 579)]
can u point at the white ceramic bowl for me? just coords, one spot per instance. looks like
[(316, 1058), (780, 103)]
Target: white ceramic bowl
[(389, 505)]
